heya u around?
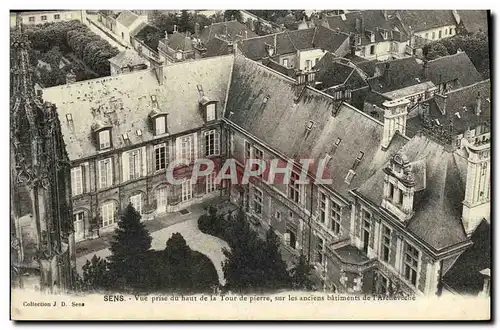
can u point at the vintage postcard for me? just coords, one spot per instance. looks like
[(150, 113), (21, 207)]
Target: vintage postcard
[(250, 164)]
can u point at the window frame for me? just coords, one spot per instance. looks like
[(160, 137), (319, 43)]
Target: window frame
[(31, 19), (43, 17), (212, 143), (294, 189), (74, 182), (211, 111), (135, 154), (109, 211), (57, 16), (158, 156), (411, 267), (160, 122), (104, 135), (107, 174), (385, 243), (257, 201)]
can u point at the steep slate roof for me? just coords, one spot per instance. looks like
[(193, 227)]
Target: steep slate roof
[(126, 18), (216, 47), (290, 41), (177, 41), (88, 101), (232, 30), (474, 20), (438, 208), (451, 67), (455, 102), (373, 20), (281, 123), (421, 20), (128, 57), (397, 74), (464, 275), (331, 72)]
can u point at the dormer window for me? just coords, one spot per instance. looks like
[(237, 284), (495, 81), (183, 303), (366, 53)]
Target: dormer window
[(211, 112), (104, 139), (208, 109), (160, 125)]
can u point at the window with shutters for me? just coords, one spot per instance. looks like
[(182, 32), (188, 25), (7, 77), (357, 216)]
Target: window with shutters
[(210, 182), (77, 180), (294, 188), (187, 148), (186, 190), (411, 263), (211, 115), (212, 144), (386, 243), (105, 173), (257, 201), (134, 164), (160, 151), (108, 214), (104, 139)]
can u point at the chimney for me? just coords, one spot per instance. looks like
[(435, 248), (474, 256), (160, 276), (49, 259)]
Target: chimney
[(157, 66), (384, 12), (362, 24), (166, 35), (70, 77), (246, 34), (478, 104), (395, 115), (175, 28), (358, 25), (456, 16)]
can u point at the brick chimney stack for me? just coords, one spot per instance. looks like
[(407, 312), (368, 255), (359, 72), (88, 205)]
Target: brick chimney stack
[(395, 115)]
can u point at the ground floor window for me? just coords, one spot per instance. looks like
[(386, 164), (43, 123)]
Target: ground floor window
[(136, 201), (187, 190), (161, 199), (108, 214), (79, 224), (210, 182)]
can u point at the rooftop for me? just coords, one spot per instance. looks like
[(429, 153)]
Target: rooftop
[(127, 18), (474, 20), (229, 31), (438, 208), (421, 20), (128, 57), (124, 102), (453, 67)]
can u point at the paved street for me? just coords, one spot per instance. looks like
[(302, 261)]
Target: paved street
[(187, 226)]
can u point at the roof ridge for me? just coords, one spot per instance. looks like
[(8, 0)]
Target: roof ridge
[(468, 86), (281, 75)]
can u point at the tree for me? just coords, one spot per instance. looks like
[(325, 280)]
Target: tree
[(230, 15), (130, 245), (96, 275), (300, 275), (253, 264), (436, 50), (185, 22)]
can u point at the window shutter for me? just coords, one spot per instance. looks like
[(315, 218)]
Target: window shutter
[(143, 157), (194, 147), (177, 149), (110, 172), (217, 143), (99, 173), (125, 167)]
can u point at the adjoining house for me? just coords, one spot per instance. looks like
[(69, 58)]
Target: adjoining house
[(375, 33), (34, 17), (300, 50), (177, 47), (395, 213), (230, 31), (121, 23), (126, 61)]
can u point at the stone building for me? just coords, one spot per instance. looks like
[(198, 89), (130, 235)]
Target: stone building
[(367, 227)]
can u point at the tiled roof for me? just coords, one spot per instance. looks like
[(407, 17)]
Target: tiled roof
[(331, 72), (397, 74), (130, 97), (373, 21), (421, 20), (216, 47), (126, 18), (474, 20), (290, 41), (232, 31), (127, 57), (177, 41), (464, 276), (280, 123), (438, 208), (456, 100), (457, 66)]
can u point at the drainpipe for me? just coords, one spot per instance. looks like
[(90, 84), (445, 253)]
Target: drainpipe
[(309, 224)]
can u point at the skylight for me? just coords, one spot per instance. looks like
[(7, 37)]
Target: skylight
[(310, 125), (360, 155), (138, 132), (338, 141), (125, 137), (349, 176)]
